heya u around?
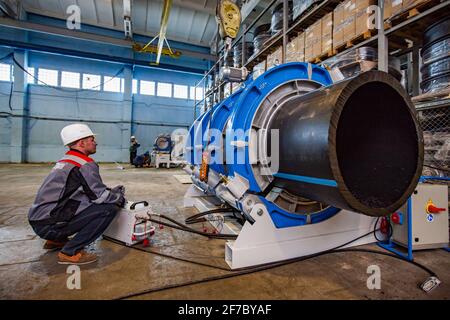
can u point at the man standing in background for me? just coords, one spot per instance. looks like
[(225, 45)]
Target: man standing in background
[(133, 149)]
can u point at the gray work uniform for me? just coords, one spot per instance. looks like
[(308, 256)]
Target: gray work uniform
[(72, 192)]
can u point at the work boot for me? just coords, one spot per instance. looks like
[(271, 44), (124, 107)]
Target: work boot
[(80, 258), (53, 245)]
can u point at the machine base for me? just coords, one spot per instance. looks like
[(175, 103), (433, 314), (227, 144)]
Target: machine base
[(162, 159), (262, 242)]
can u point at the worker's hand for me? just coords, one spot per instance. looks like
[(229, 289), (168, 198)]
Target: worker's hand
[(121, 202)]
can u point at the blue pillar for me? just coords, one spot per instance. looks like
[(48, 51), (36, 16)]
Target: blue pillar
[(19, 110), (127, 112)]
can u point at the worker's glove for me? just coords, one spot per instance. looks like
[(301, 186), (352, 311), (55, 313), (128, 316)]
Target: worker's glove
[(118, 190)]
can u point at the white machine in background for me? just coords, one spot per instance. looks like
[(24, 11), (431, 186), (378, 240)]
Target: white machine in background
[(166, 150), (127, 227)]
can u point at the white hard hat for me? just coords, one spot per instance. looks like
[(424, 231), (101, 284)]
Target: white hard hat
[(133, 137), (74, 132)]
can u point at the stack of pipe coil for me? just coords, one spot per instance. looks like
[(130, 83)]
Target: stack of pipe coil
[(277, 17), (262, 34), (237, 56), (361, 60), (436, 57)]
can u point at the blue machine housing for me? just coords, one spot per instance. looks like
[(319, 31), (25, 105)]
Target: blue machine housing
[(249, 101), (235, 114)]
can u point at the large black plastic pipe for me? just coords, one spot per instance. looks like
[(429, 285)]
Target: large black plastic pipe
[(356, 145)]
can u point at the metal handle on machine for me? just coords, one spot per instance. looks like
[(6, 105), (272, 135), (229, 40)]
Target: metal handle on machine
[(133, 206)]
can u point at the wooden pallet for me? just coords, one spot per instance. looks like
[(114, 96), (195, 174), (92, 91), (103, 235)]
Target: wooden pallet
[(359, 38), (440, 95), (408, 13), (323, 56), (339, 48)]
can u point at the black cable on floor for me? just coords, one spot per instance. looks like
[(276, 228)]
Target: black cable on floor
[(247, 270), (169, 256), (180, 226), (196, 217), (264, 268)]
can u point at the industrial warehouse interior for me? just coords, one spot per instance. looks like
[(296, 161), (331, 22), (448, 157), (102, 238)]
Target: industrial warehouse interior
[(224, 150)]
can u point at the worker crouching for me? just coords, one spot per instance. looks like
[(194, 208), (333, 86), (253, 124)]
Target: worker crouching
[(74, 200)]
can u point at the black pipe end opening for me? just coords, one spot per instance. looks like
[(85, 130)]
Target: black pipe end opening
[(378, 144)]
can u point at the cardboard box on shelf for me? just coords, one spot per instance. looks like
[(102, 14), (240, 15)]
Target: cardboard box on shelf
[(349, 20), (327, 33), (274, 59), (338, 24), (409, 4), (259, 69), (301, 47), (397, 7), (387, 9), (317, 51), (291, 50), (309, 44), (295, 51), (363, 16), (313, 41)]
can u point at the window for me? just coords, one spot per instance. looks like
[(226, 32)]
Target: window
[(30, 75), (111, 84), (91, 81), (199, 93), (180, 91), (48, 77), (5, 72), (135, 86), (147, 87), (70, 79), (164, 90)]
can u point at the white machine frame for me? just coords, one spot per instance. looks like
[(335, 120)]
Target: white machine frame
[(261, 242), (162, 158)]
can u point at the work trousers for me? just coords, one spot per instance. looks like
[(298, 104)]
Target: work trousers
[(88, 225), (132, 156)]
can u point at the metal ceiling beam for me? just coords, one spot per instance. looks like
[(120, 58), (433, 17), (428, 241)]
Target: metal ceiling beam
[(90, 55), (127, 23), (143, 32), (7, 8), (79, 35), (202, 6)]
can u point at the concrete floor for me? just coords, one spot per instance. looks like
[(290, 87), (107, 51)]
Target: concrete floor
[(29, 272)]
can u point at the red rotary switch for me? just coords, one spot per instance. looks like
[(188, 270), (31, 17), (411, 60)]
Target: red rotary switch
[(431, 208)]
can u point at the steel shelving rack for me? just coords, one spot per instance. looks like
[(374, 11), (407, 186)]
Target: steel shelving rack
[(387, 39)]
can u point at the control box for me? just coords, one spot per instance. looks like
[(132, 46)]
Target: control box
[(429, 218), (127, 227)]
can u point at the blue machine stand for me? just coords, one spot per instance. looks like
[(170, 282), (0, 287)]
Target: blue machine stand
[(393, 247)]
